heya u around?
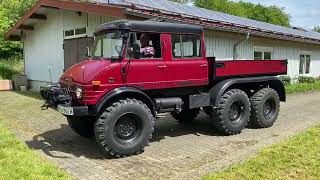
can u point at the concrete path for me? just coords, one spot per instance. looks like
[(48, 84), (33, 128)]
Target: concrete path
[(176, 151)]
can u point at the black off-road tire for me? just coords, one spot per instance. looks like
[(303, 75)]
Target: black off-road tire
[(262, 117), (83, 126), (238, 101), (186, 115), (124, 128)]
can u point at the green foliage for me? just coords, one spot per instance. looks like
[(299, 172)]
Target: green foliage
[(259, 12), (306, 79), (10, 12), (316, 29), (19, 162), (302, 87), (286, 80), (296, 158), (10, 67)]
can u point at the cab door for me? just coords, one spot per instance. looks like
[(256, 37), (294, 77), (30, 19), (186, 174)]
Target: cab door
[(146, 73), (188, 65)]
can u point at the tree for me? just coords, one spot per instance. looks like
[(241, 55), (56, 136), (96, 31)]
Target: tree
[(316, 29), (259, 12), (10, 12)]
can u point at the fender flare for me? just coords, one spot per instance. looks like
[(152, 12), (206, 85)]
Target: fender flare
[(219, 89), (126, 90)]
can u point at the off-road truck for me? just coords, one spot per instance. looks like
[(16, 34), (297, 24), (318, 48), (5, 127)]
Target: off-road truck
[(117, 93)]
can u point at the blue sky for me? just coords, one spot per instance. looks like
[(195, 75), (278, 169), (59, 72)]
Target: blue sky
[(304, 13)]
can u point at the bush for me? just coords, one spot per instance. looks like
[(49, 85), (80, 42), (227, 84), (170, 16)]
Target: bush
[(11, 67), (306, 79), (286, 80)]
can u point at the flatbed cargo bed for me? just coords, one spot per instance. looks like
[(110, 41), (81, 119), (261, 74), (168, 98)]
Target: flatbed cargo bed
[(248, 68)]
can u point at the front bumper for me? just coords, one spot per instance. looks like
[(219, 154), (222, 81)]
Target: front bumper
[(57, 98)]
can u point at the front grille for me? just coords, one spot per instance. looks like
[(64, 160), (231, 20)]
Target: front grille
[(70, 89)]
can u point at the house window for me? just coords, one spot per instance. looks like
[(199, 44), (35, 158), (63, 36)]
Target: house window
[(263, 53), (305, 62), (186, 46), (75, 33)]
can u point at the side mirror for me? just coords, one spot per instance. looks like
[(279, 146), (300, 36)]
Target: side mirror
[(134, 51)]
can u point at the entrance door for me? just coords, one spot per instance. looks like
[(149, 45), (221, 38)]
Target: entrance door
[(188, 66), (75, 50), (150, 71)]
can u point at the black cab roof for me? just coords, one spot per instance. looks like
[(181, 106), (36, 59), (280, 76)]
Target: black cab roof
[(149, 26)]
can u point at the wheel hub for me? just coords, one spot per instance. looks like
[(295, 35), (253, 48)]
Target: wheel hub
[(235, 112), (126, 127), (269, 108)]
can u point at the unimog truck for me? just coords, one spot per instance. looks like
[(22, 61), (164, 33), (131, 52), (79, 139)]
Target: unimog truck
[(139, 69)]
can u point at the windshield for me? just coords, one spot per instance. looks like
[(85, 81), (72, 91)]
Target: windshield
[(108, 45)]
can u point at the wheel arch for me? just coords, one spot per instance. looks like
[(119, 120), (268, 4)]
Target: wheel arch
[(245, 84), (125, 92)]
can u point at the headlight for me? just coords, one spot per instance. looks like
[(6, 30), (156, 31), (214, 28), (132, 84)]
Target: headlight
[(79, 93)]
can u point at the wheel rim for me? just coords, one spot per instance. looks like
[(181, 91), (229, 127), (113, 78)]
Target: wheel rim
[(127, 128), (236, 112), (269, 108)]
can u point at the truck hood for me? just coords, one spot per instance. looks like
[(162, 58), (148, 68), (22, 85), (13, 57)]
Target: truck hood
[(85, 71)]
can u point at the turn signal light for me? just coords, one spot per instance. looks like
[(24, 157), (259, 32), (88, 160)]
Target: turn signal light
[(96, 83)]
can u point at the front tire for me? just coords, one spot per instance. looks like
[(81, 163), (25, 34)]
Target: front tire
[(232, 113), (83, 126), (265, 106), (124, 128)]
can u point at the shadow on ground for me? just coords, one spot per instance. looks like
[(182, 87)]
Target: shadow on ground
[(64, 141)]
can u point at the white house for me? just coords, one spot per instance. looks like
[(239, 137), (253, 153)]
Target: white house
[(56, 33)]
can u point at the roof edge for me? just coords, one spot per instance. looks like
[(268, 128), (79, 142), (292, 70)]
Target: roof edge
[(101, 9)]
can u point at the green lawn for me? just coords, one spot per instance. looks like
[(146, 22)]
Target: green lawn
[(296, 158), (302, 87), (19, 162)]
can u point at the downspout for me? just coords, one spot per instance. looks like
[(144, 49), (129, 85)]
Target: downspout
[(235, 47)]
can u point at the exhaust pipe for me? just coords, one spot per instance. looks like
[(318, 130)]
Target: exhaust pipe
[(168, 104)]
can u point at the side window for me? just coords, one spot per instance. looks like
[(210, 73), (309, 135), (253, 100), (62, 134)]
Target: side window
[(149, 43), (191, 46), (263, 53), (305, 62), (176, 46), (186, 46)]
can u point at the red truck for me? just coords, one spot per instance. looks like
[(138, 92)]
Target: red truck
[(138, 69)]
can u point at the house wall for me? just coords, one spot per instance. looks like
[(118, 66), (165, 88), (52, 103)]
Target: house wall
[(43, 50), (220, 45), (43, 47)]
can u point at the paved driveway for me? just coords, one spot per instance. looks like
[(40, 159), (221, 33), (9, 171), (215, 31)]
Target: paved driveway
[(176, 151)]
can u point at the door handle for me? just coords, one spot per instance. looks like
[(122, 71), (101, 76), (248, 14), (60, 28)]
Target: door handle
[(162, 67), (203, 65)]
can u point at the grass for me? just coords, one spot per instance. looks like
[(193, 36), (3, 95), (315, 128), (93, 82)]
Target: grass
[(19, 162), (10, 67), (296, 158), (302, 87)]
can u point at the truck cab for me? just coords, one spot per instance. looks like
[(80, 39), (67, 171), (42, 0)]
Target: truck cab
[(138, 69)]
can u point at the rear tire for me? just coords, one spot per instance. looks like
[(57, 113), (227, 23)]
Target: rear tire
[(186, 115), (232, 113), (83, 126), (124, 128), (265, 106)]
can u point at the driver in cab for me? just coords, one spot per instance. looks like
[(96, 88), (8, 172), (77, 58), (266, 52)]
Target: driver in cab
[(146, 50)]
